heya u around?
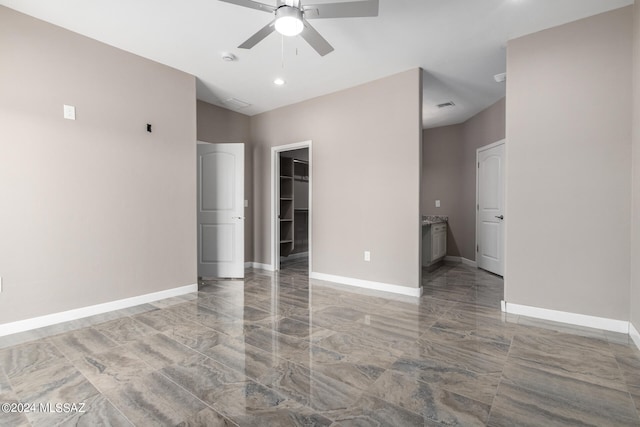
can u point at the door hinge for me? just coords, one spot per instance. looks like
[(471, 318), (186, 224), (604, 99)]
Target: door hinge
[(477, 248), (478, 165), (478, 207)]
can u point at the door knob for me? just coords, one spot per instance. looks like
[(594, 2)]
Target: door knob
[(237, 217), (500, 217)]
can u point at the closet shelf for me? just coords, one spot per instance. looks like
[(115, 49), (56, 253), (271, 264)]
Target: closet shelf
[(294, 174)]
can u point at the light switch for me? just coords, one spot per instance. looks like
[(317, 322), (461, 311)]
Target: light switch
[(367, 256), (246, 203), (69, 112), (437, 203)]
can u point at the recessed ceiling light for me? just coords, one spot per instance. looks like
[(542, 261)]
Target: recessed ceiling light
[(279, 82)]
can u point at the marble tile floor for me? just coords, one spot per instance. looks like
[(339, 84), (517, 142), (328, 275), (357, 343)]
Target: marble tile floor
[(278, 349)]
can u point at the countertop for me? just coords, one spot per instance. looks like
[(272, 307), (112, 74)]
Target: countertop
[(434, 219)]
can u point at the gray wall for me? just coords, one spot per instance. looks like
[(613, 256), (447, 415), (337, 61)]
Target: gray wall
[(569, 167), (96, 209), (366, 177), (219, 125), (442, 178), (635, 220), (449, 174)]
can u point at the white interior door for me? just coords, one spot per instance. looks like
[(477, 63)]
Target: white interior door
[(221, 210), (490, 205)]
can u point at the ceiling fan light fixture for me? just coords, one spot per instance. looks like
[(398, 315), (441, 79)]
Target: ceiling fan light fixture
[(289, 21)]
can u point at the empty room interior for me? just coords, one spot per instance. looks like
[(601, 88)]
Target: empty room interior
[(320, 213)]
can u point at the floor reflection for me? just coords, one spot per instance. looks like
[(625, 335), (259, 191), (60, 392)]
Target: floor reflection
[(280, 349)]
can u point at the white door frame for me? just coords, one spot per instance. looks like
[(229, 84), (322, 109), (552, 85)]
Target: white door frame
[(483, 148), (275, 201)]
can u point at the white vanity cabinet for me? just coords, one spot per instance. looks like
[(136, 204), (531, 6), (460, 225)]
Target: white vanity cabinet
[(438, 241), (434, 243)]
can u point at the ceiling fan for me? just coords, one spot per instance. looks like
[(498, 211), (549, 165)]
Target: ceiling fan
[(291, 19)]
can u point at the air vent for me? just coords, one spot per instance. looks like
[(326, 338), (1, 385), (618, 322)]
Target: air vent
[(448, 104), (236, 103)]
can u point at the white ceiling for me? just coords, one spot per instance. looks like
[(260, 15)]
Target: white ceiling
[(460, 44)]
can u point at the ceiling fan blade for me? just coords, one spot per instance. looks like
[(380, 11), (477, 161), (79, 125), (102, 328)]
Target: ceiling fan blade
[(252, 5), (315, 39), (292, 3), (259, 36), (351, 9)]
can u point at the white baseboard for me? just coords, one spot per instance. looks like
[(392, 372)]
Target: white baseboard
[(259, 266), (635, 336), (295, 256), (378, 286), (469, 263), (462, 260), (570, 318), (79, 313)]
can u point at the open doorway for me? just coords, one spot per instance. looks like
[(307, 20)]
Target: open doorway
[(291, 226)]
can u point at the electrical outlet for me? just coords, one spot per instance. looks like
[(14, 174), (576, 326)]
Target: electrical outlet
[(0, 284), (69, 112), (367, 256), (437, 203)]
